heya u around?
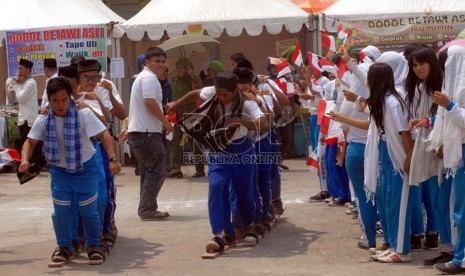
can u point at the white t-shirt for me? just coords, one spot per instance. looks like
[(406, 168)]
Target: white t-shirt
[(358, 87), (400, 116), (334, 94), (105, 96), (92, 104), (267, 102), (90, 126), (267, 99), (250, 110), (146, 86)]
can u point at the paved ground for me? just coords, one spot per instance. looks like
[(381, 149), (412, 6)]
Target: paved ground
[(310, 239)]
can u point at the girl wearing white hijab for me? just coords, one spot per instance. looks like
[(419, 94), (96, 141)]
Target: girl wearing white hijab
[(449, 131), (393, 196), (424, 77)]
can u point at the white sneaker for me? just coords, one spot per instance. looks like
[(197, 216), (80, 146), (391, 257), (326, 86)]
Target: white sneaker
[(380, 254), (395, 257), (329, 199)]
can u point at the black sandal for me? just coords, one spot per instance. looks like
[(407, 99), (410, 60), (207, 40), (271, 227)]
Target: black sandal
[(249, 231), (229, 240), (267, 225), (105, 247), (260, 229), (96, 255), (61, 254), (109, 239), (215, 245)]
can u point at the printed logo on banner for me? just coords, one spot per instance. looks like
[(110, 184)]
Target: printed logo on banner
[(60, 44)]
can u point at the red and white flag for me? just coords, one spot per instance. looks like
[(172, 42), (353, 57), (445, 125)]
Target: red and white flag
[(312, 161), (324, 62), (343, 34), (328, 42), (342, 69), (7, 156), (282, 66), (10, 155), (313, 63), (297, 56), (365, 58)]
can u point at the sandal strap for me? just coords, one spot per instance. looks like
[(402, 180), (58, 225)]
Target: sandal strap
[(96, 251), (229, 240), (62, 252), (220, 242)]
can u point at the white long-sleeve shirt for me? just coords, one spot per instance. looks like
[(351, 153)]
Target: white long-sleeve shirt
[(26, 94)]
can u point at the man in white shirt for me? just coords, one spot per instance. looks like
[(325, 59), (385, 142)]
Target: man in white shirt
[(145, 130), (25, 91)]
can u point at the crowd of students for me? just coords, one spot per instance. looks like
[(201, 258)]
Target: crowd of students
[(399, 127)]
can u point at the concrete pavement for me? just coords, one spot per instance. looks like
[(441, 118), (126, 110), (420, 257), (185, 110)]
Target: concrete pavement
[(310, 239)]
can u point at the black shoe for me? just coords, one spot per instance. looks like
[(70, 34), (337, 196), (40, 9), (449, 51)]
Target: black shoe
[(174, 174), (449, 268), (444, 257), (198, 174), (431, 241), (320, 196), (415, 243)]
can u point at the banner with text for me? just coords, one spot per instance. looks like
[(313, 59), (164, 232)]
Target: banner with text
[(429, 29), (60, 44)]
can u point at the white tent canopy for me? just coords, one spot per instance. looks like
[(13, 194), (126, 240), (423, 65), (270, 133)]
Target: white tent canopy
[(33, 14), (174, 16), (345, 10)]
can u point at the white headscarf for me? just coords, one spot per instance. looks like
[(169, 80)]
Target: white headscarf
[(399, 66), (372, 52), (446, 132)]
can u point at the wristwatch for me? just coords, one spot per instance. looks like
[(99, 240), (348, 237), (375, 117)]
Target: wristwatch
[(113, 159)]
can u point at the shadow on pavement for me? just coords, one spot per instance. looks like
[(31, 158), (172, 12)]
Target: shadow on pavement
[(15, 262), (132, 254), (284, 240)]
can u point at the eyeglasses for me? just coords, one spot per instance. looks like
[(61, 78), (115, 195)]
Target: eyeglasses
[(90, 78)]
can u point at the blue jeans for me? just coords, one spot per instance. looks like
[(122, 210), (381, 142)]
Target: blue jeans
[(150, 153)]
